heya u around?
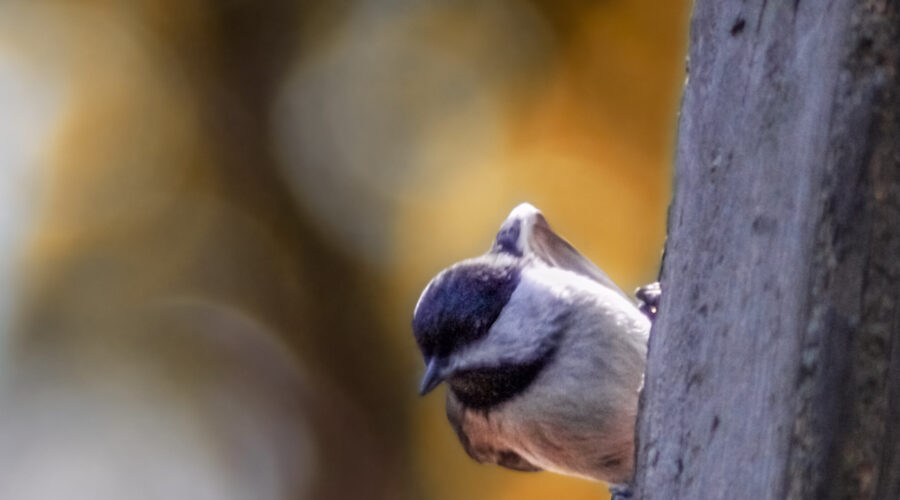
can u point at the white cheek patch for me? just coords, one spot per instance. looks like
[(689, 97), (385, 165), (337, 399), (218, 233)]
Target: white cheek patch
[(537, 314)]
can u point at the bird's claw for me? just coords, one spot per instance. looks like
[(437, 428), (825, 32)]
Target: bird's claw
[(649, 297), (620, 492)]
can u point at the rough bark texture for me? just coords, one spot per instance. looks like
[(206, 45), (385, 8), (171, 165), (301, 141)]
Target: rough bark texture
[(774, 366)]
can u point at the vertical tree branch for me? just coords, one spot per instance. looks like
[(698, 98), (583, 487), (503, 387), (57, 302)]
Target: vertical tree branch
[(774, 366)]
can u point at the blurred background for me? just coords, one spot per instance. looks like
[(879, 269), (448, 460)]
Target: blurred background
[(216, 217)]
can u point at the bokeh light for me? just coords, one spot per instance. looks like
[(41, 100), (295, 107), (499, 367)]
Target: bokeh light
[(217, 217)]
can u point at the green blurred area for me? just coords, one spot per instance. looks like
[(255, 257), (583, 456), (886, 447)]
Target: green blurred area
[(218, 216)]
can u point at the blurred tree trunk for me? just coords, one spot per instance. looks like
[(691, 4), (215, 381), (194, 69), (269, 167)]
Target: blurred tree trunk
[(774, 367)]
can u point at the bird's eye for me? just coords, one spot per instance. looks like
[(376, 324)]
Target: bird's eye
[(426, 347), (462, 303)]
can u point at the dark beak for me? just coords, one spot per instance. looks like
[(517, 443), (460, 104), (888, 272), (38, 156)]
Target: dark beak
[(432, 378)]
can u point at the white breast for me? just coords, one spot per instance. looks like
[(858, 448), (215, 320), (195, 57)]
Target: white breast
[(577, 417)]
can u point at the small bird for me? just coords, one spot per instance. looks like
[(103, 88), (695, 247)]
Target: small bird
[(543, 354)]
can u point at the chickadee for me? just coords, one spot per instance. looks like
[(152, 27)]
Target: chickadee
[(543, 355)]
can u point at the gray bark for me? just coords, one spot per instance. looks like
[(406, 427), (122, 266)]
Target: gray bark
[(774, 365)]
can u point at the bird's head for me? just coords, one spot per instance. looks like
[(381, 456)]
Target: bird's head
[(489, 325)]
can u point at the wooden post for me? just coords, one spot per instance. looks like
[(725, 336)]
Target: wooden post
[(774, 365)]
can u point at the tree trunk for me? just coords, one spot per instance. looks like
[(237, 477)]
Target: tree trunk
[(774, 365)]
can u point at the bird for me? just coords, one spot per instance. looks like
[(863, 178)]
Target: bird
[(542, 353)]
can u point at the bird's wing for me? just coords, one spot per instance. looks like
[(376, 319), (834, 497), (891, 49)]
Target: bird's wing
[(526, 232)]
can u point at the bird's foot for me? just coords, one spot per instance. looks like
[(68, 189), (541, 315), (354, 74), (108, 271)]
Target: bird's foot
[(649, 297), (620, 492)]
